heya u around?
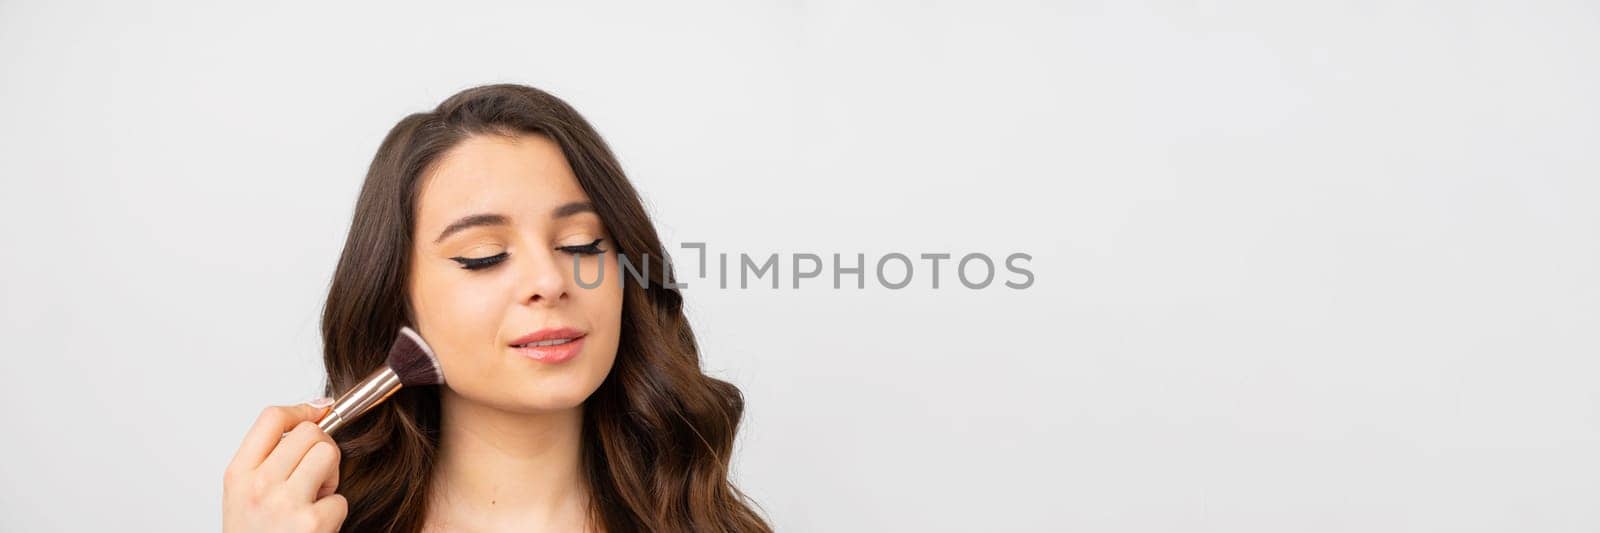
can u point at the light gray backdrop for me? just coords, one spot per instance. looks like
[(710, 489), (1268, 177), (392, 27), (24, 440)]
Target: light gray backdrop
[(1300, 266)]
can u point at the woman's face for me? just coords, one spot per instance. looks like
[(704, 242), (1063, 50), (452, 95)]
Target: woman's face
[(539, 218)]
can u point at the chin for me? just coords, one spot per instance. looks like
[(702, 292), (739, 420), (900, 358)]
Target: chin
[(553, 395), (550, 404)]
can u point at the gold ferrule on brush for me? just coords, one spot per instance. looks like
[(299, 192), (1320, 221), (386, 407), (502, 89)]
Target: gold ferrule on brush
[(369, 392)]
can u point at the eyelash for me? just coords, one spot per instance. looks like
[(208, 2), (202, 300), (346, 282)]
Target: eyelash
[(478, 263)]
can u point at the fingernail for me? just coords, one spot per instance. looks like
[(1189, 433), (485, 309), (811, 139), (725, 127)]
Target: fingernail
[(320, 402)]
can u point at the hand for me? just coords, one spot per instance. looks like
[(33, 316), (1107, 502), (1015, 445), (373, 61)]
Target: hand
[(286, 485)]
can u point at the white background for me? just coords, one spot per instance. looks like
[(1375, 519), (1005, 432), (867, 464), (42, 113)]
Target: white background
[(1300, 266)]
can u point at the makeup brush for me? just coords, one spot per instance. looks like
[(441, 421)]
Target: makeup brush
[(410, 363)]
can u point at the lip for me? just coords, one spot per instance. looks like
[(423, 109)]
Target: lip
[(550, 354)]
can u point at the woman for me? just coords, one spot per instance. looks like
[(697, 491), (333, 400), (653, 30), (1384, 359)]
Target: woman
[(476, 224)]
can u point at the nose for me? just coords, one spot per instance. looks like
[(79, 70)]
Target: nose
[(546, 280)]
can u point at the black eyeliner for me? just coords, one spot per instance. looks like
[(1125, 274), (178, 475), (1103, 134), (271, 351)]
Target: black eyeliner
[(592, 248), (475, 263)]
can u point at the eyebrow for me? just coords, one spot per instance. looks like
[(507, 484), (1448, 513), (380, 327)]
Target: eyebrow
[(495, 219)]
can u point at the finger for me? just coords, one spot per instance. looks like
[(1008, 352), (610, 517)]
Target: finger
[(330, 512), (281, 462), (268, 429), (317, 472)]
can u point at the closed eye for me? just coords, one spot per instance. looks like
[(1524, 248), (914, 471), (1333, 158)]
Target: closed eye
[(592, 248), (475, 263)]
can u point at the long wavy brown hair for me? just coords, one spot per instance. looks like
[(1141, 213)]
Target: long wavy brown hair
[(657, 433)]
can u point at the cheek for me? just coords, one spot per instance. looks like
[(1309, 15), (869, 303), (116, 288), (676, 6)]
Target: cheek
[(460, 321), (603, 307)]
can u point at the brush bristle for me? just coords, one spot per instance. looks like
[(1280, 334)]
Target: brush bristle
[(413, 360)]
